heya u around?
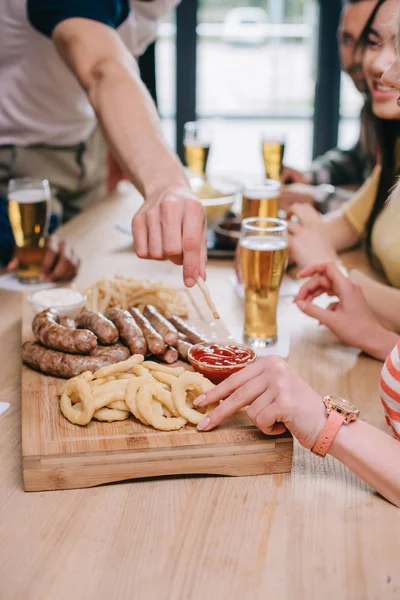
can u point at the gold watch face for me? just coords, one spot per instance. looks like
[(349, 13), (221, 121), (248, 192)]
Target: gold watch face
[(342, 405)]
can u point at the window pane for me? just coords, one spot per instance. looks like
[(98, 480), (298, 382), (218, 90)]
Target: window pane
[(166, 76), (256, 70), (351, 102)]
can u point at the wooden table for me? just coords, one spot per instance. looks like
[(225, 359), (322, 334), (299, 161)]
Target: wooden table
[(316, 533)]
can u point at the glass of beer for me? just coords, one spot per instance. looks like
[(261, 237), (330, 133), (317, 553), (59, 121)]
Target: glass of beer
[(261, 200), (197, 142), (263, 250), (29, 212), (273, 149)]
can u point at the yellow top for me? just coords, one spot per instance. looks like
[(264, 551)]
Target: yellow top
[(385, 238)]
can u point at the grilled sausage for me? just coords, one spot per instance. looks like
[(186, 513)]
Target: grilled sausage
[(154, 340), (116, 351), (183, 349), (129, 331), (193, 336), (102, 327), (50, 333), (62, 364), (67, 322), (169, 356), (168, 332)]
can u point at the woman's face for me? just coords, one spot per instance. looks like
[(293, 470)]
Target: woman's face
[(391, 78), (379, 55)]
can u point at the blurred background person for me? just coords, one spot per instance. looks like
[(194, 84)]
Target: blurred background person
[(367, 218), (339, 167)]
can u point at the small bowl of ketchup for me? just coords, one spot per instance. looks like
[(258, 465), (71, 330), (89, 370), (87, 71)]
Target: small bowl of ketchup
[(218, 361)]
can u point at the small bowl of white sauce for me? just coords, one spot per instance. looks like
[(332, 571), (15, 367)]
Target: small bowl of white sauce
[(67, 301)]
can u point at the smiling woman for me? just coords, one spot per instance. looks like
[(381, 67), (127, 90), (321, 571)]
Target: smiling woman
[(367, 218), (391, 77), (379, 55)]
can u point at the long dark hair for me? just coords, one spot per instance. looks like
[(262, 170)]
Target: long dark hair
[(386, 133)]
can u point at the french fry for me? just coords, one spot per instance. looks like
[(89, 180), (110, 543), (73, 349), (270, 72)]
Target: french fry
[(125, 292), (120, 367), (201, 284)]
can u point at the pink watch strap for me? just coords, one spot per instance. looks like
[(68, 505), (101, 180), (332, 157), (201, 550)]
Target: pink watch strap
[(328, 434)]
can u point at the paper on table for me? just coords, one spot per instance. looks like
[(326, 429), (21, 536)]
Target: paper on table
[(3, 407), (10, 282), (124, 228), (289, 287)]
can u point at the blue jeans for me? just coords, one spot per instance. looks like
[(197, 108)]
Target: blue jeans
[(6, 235)]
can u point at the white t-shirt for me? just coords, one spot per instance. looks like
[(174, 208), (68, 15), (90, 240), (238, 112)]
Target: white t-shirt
[(41, 101)]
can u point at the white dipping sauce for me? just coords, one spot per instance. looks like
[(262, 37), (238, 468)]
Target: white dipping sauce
[(67, 301), (57, 297)]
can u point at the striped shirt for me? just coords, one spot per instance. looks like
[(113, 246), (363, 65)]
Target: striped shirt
[(390, 390)]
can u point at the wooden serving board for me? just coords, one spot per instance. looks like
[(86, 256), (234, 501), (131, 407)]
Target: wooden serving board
[(58, 455)]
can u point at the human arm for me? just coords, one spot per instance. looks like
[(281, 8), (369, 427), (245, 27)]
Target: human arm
[(313, 239), (278, 399), (290, 175), (384, 300), (351, 318), (338, 231), (340, 167), (372, 455), (171, 223)]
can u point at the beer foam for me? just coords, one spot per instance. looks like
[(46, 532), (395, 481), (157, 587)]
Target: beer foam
[(196, 144), (27, 196), (264, 243), (259, 192)]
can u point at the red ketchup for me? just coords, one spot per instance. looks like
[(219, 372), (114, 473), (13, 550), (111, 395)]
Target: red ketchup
[(217, 362)]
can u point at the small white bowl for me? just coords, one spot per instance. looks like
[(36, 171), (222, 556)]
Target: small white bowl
[(67, 301)]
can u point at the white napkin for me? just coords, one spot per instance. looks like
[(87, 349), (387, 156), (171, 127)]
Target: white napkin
[(3, 407), (289, 287), (10, 282)]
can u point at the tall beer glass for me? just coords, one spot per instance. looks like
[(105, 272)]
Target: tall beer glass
[(29, 211), (263, 257), (261, 200), (273, 149), (197, 142)]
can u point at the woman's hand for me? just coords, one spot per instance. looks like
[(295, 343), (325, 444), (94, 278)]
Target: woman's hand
[(59, 261), (290, 175), (308, 245), (351, 319), (296, 193), (277, 398), (308, 241), (306, 215)]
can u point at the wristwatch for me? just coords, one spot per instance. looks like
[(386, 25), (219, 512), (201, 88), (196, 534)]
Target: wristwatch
[(340, 412)]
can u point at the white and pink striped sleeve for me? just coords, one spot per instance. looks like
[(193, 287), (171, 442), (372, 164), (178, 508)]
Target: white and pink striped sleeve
[(390, 390)]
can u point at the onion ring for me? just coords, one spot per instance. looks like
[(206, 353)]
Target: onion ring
[(131, 392), (146, 406), (193, 382), (82, 412), (110, 414)]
